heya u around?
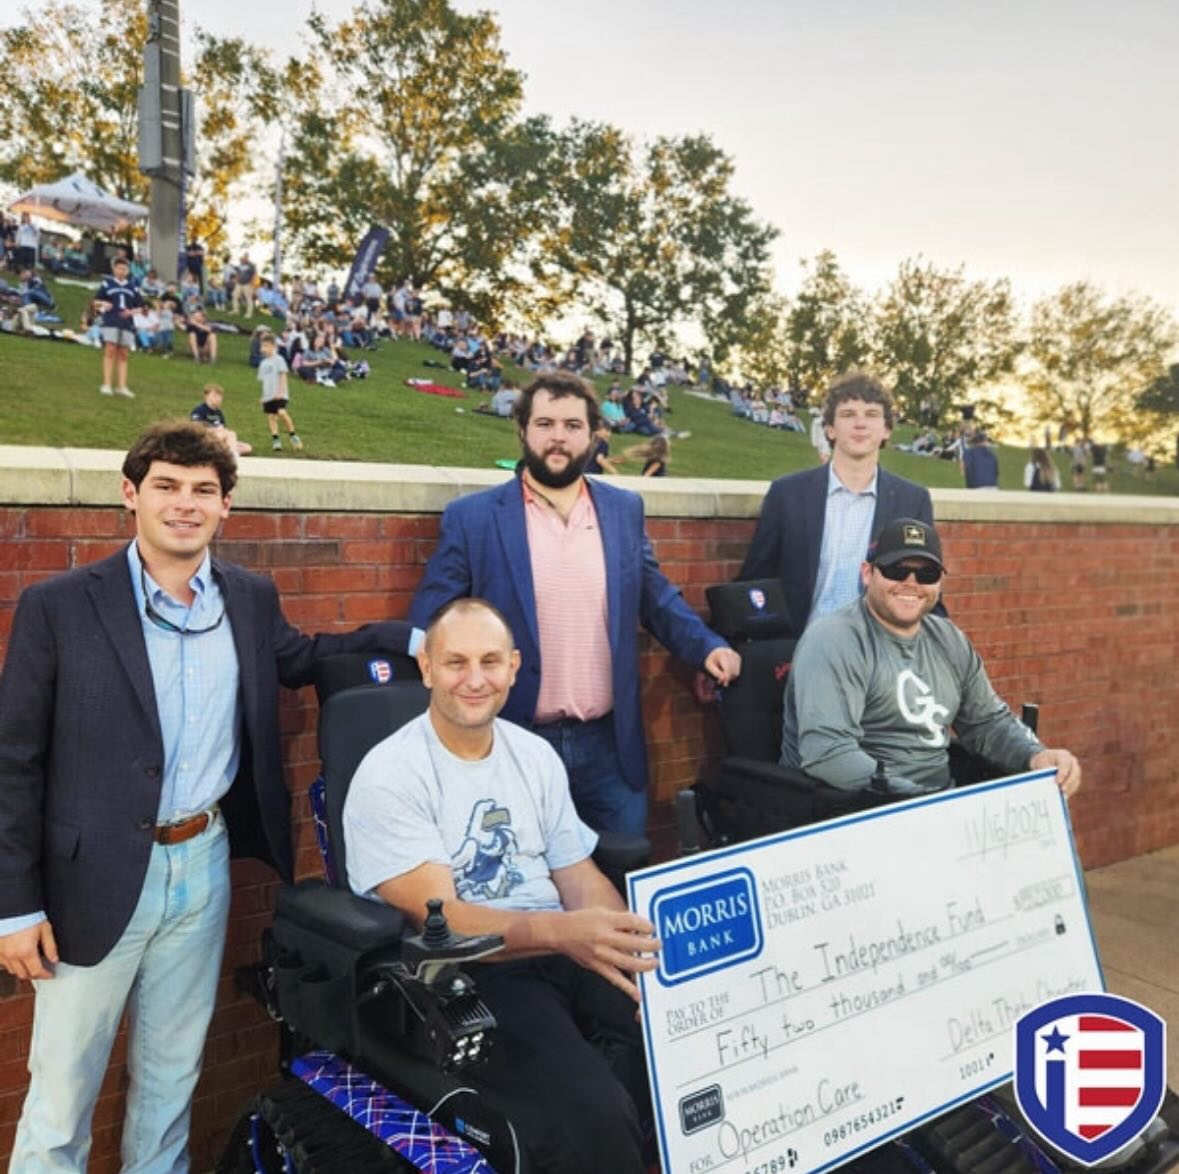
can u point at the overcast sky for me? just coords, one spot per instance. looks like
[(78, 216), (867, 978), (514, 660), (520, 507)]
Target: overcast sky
[(1029, 138)]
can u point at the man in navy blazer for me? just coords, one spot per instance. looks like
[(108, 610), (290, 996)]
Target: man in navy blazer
[(139, 744), (568, 563), (815, 526)]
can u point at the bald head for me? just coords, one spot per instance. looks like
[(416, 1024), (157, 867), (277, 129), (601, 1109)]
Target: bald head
[(446, 615), (469, 664)]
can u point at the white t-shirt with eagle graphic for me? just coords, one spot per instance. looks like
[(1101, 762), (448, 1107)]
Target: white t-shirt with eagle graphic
[(503, 824)]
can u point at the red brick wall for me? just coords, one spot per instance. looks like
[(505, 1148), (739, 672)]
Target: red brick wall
[(1081, 618)]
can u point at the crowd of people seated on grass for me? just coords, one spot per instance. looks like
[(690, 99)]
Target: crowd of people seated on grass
[(773, 408), (367, 314), (316, 321), (948, 446), (316, 328), (313, 347), (640, 410), (156, 322), (23, 304), (588, 357)]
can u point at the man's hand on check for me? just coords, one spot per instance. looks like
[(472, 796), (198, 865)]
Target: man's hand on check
[(1068, 769)]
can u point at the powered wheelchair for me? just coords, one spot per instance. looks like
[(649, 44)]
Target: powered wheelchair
[(748, 794), (379, 1025)]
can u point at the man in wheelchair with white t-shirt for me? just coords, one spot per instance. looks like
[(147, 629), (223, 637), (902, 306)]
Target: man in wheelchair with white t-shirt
[(460, 806), (883, 681)]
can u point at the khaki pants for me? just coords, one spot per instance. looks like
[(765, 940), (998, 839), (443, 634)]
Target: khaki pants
[(243, 293)]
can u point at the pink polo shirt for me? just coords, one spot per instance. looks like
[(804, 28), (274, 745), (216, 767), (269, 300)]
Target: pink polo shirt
[(569, 578)]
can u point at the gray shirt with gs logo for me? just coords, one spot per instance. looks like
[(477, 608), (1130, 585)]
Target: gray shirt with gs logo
[(857, 693)]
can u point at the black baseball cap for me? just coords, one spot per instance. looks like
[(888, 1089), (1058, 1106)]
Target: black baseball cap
[(905, 538)]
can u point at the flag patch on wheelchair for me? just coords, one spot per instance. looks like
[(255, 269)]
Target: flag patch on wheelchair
[(1090, 1072), (427, 1145), (707, 925), (381, 671)]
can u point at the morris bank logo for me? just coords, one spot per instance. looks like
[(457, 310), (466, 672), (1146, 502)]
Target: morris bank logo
[(707, 925)]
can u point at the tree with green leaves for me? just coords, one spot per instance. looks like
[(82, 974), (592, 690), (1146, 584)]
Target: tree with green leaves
[(1162, 396), (413, 122), (940, 337), (1090, 355), (1159, 403), (647, 239), (827, 327), (69, 82), (69, 85), (760, 352), (238, 94)]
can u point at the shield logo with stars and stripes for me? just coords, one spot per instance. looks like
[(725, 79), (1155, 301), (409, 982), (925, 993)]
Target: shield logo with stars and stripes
[(1090, 1072)]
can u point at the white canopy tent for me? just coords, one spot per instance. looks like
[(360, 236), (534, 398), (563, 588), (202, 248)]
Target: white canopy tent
[(78, 200)]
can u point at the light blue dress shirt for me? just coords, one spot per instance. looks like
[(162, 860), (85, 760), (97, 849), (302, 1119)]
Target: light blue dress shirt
[(197, 696), (847, 531)]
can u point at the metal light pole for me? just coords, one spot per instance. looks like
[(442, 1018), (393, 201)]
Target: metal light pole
[(282, 153), (165, 135)]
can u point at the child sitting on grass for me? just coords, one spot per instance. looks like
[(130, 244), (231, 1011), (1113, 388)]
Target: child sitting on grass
[(655, 455), (209, 413)]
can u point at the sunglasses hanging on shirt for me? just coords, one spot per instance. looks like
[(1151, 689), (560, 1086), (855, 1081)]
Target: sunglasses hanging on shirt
[(166, 624)]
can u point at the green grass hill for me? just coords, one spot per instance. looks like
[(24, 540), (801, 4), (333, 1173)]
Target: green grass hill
[(49, 391)]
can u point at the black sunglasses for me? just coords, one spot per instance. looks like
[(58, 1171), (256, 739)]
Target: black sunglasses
[(927, 574), (165, 623)]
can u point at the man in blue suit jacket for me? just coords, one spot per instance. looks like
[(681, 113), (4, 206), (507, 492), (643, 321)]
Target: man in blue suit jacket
[(815, 526), (139, 746), (568, 563)]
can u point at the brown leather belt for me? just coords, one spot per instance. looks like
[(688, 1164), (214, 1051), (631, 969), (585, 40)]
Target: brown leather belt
[(177, 833)]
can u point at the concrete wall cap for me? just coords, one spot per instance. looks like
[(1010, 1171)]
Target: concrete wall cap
[(91, 477)]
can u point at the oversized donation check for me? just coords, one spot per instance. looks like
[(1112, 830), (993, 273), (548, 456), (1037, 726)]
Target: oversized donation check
[(824, 989)]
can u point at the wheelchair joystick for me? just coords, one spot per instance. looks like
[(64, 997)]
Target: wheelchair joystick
[(897, 786), (436, 933)]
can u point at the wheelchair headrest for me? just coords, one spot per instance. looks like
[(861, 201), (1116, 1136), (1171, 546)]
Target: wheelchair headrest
[(753, 610), (351, 722), (347, 670)]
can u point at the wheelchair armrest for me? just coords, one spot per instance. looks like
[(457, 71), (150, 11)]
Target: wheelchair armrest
[(770, 773), (889, 789), (343, 968), (618, 853), (746, 797), (341, 916)]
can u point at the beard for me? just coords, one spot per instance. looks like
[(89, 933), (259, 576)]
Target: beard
[(543, 475)]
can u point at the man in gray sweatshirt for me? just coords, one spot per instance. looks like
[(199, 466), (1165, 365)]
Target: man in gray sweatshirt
[(882, 679)]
